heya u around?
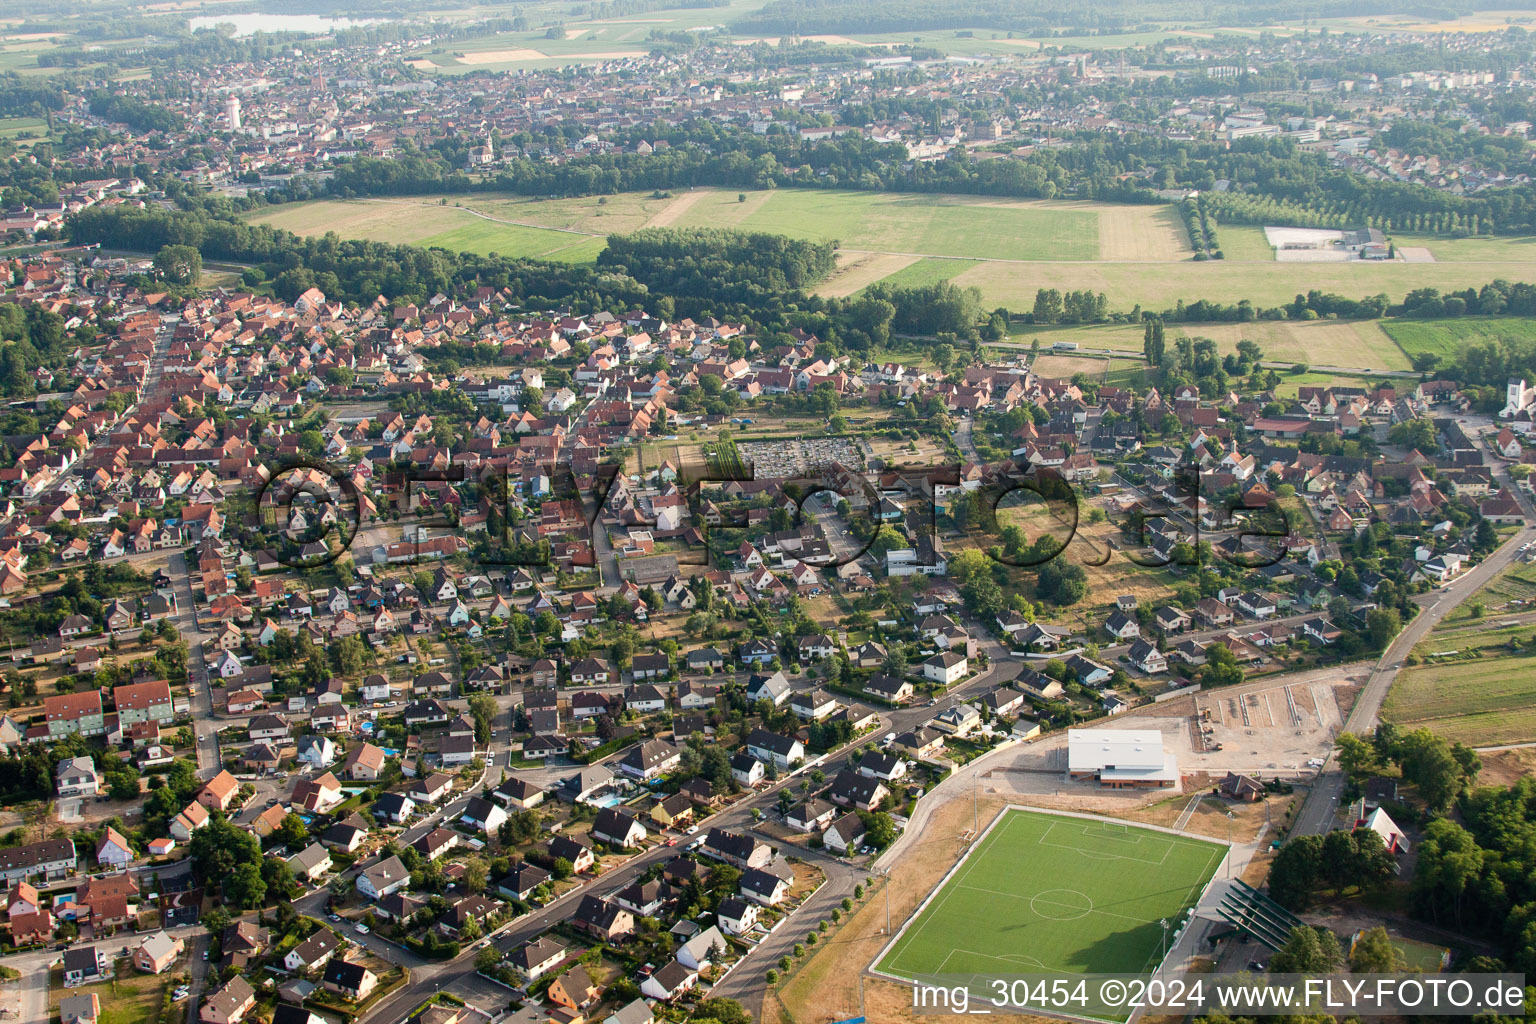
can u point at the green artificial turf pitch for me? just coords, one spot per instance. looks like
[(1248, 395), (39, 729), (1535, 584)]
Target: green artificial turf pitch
[(1044, 893)]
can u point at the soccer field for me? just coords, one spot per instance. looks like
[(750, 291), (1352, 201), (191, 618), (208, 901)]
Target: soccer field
[(1049, 893)]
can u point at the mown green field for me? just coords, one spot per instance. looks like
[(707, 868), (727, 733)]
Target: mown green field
[(1046, 893), (1244, 242), (923, 224), (965, 228), (1446, 338), (1482, 702), (418, 222), (929, 271), (1159, 286)]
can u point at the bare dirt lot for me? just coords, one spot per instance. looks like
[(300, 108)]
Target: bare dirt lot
[(1273, 728), (857, 271)]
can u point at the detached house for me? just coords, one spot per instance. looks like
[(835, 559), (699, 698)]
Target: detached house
[(782, 751), (617, 829)]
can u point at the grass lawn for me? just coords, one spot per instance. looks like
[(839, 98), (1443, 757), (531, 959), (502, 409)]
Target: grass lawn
[(1317, 342), (419, 222), (1486, 701), (1116, 337), (1042, 892), (1244, 242), (1291, 383), (1421, 956), (484, 236), (131, 998), (1490, 249), (1126, 373), (930, 225), (928, 271), (1446, 338)]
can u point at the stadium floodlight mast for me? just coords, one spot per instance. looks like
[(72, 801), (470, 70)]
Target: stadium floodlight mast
[(1164, 922), (885, 873), (1230, 819)]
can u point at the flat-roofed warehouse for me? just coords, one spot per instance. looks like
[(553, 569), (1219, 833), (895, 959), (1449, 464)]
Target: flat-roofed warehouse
[(1121, 758)]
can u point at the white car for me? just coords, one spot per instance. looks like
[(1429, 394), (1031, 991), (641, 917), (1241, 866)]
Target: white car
[(361, 929)]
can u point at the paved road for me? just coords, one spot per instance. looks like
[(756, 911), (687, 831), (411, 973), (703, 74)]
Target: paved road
[(205, 726), (963, 440), (1318, 813), (459, 975)]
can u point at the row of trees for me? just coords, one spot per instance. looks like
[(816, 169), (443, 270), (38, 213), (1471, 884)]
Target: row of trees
[(1481, 876), (1075, 307), (1200, 220)]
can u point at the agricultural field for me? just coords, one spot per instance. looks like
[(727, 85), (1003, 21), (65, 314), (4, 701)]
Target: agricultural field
[(587, 40), (1046, 892), (24, 131), (1483, 701), (857, 271), (961, 230), (424, 223), (1491, 249), (965, 227), (1446, 338), (1360, 343), (1159, 286), (1066, 366), (1007, 249), (1514, 585)]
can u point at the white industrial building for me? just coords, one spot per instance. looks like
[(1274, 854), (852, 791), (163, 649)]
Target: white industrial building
[(1121, 758)]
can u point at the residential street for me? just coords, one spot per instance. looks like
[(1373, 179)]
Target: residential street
[(1319, 812), (459, 977)]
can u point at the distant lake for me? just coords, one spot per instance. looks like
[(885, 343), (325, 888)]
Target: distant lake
[(310, 24)]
